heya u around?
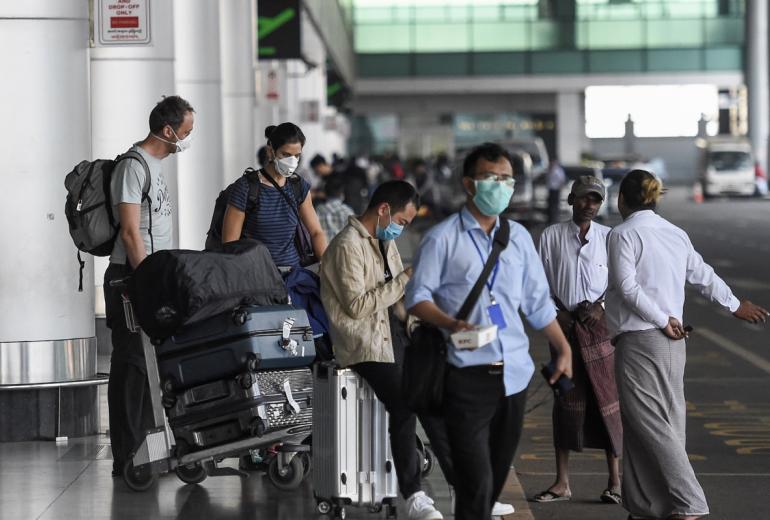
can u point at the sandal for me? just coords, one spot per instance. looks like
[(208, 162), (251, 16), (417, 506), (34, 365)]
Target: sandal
[(550, 496), (609, 496)]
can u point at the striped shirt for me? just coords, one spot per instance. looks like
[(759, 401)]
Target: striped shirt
[(274, 223)]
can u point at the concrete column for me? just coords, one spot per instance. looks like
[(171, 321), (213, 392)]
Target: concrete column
[(198, 80), (757, 77), (126, 82), (46, 325), (570, 126), (236, 25)]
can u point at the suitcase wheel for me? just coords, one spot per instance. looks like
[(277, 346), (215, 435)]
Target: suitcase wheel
[(339, 512), (324, 507), (138, 478), (391, 511), (376, 508), (191, 474), (290, 477)]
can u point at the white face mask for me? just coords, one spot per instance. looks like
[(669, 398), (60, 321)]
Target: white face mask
[(181, 144), (287, 165)]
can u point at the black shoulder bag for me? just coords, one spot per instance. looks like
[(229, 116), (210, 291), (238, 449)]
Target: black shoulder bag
[(425, 357)]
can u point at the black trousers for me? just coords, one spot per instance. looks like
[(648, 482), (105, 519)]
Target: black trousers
[(128, 392), (385, 380), (484, 429)]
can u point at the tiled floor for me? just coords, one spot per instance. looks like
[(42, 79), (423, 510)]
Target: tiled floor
[(49, 481)]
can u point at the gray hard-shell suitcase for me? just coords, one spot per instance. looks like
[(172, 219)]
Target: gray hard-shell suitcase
[(352, 462), (246, 339), (251, 405)]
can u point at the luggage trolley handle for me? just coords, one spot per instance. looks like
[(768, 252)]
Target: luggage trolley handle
[(128, 308)]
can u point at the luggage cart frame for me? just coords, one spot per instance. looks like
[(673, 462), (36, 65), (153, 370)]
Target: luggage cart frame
[(157, 454)]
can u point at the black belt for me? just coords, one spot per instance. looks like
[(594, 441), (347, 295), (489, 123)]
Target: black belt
[(492, 368)]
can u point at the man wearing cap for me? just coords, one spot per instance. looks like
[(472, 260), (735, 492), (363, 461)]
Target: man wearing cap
[(574, 255)]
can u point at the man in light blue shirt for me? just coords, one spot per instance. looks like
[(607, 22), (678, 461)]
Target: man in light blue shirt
[(485, 388)]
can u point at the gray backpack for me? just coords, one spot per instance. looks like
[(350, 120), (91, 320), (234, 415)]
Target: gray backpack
[(88, 209)]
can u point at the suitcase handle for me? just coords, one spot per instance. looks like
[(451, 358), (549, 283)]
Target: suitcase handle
[(240, 316)]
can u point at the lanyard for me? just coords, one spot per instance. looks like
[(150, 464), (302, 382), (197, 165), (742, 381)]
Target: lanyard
[(489, 283)]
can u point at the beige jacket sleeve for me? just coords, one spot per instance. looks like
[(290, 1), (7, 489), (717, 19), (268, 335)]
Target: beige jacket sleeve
[(344, 267)]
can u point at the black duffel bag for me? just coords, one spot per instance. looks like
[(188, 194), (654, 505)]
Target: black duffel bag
[(425, 357), (176, 287)]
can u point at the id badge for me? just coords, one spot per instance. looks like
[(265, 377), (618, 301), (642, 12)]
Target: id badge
[(496, 315)]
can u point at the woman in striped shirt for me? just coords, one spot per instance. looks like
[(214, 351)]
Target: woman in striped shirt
[(274, 223)]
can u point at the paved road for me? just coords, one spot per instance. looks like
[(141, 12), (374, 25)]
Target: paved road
[(727, 381)]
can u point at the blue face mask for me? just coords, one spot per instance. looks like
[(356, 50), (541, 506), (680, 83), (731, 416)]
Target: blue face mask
[(391, 232), (492, 197)]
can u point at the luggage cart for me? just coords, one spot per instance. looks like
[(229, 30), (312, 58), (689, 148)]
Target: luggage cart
[(158, 452)]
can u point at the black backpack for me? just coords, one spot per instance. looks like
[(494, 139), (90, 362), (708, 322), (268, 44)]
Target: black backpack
[(88, 208), (214, 235)]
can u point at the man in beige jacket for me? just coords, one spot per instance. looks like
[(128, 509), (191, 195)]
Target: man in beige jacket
[(362, 279)]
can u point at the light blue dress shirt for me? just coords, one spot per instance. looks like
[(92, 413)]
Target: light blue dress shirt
[(445, 269)]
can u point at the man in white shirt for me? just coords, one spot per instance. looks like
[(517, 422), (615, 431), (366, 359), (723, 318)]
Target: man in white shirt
[(650, 260), (574, 255)]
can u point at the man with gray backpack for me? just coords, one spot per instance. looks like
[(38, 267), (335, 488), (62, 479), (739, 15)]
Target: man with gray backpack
[(122, 208)]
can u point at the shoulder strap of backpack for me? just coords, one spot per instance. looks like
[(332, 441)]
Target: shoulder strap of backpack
[(131, 154), (252, 201)]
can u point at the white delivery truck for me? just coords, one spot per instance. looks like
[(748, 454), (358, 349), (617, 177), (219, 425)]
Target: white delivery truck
[(726, 167)]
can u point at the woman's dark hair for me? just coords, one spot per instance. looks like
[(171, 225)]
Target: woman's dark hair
[(492, 152), (278, 136), (397, 194), (169, 111), (641, 190)]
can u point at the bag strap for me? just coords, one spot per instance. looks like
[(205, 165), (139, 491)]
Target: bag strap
[(500, 242), (131, 154), (285, 196), (252, 200)]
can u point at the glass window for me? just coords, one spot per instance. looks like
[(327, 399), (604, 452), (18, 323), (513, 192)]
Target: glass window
[(442, 37), (500, 36), (674, 33), (610, 34), (383, 38), (727, 161)]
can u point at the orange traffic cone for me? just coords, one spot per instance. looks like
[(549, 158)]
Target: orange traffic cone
[(697, 193)]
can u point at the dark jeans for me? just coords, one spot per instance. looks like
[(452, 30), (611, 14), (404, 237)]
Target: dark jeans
[(484, 429), (128, 392), (385, 380)]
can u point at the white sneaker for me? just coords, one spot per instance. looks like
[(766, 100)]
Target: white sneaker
[(502, 509), (420, 507)]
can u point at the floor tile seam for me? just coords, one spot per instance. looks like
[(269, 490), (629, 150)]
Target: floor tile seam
[(66, 488)]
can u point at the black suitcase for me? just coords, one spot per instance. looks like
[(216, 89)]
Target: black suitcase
[(177, 287), (251, 405), (247, 339)]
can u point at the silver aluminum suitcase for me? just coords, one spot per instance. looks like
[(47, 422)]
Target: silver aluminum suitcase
[(352, 462)]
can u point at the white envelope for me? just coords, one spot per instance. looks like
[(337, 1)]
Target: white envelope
[(475, 338)]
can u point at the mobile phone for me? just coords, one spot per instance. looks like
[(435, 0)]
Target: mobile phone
[(688, 329), (563, 385)]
